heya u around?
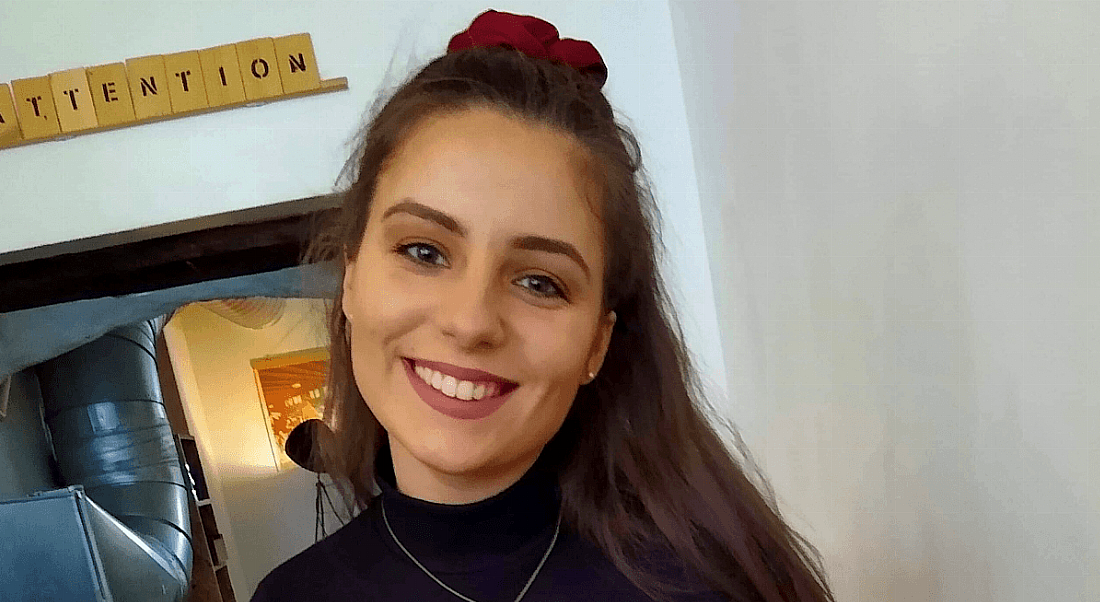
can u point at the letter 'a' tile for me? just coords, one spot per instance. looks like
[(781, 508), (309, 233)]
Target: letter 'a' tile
[(111, 94), (149, 86), (259, 69), (9, 123), (185, 82), (297, 65), (34, 103), (222, 75), (75, 110)]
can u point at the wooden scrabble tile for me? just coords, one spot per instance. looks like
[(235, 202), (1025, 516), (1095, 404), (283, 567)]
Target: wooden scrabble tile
[(297, 65), (259, 69), (111, 94), (9, 123), (222, 75), (185, 81), (34, 103), (73, 100), (149, 86)]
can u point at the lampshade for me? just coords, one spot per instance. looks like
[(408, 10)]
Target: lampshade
[(299, 443), (254, 313)]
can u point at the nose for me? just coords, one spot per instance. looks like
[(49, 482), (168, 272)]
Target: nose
[(471, 310)]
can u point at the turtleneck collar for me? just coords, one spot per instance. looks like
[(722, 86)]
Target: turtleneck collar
[(503, 529)]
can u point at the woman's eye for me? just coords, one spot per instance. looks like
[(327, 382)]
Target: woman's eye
[(549, 288), (424, 253)]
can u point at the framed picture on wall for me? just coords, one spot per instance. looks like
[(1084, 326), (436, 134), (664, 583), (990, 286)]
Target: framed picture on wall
[(292, 390)]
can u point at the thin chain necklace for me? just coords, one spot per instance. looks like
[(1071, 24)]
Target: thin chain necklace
[(557, 527)]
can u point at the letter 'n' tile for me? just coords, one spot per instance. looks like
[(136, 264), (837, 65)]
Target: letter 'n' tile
[(149, 86), (297, 64)]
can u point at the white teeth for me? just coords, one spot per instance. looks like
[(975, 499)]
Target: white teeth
[(452, 387), (465, 390), (449, 385)]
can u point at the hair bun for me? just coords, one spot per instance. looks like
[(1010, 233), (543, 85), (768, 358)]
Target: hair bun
[(533, 37)]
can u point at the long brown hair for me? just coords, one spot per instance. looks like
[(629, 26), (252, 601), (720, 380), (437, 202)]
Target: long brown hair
[(643, 472)]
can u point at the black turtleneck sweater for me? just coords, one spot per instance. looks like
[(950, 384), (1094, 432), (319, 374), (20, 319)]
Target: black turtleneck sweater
[(486, 551)]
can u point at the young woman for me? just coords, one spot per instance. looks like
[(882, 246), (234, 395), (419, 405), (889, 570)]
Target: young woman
[(507, 370)]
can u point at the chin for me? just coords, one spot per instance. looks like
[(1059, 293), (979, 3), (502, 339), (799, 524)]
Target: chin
[(449, 452)]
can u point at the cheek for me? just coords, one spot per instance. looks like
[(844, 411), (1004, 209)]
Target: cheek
[(400, 299), (382, 291), (560, 349), (385, 306)]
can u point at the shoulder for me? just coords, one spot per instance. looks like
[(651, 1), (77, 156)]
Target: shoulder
[(328, 569), (584, 570), (299, 575)]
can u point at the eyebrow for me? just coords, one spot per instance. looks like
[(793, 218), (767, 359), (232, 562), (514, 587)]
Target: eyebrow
[(526, 242)]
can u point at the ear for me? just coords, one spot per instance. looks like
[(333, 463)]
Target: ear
[(600, 345), (348, 288)]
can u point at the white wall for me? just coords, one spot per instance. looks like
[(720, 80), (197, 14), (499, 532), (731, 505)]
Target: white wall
[(901, 198), (266, 516)]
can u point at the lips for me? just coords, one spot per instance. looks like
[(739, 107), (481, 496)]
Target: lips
[(450, 406)]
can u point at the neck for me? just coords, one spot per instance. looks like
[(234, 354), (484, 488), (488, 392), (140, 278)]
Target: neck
[(418, 480), (513, 527)]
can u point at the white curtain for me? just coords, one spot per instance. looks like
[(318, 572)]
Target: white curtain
[(903, 220)]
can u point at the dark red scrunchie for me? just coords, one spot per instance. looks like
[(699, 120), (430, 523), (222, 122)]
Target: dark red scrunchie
[(533, 37)]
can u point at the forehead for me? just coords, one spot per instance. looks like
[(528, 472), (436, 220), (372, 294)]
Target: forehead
[(498, 175)]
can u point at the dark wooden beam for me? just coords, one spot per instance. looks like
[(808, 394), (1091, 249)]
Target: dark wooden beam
[(210, 253)]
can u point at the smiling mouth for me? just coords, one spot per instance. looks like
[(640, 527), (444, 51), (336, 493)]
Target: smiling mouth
[(459, 389)]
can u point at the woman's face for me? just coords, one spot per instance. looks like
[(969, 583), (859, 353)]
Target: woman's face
[(481, 252)]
